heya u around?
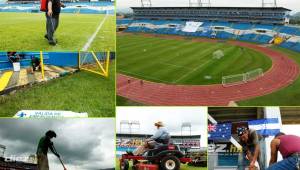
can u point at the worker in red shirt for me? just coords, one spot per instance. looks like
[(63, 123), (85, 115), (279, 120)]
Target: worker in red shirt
[(289, 148)]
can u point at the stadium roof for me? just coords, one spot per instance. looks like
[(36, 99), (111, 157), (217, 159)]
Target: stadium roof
[(235, 114), (290, 115), (273, 8)]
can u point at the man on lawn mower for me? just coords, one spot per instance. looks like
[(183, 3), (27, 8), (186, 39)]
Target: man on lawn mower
[(161, 136)]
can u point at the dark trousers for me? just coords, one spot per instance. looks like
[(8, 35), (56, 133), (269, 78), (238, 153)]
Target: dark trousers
[(51, 25), (35, 62), (244, 163)]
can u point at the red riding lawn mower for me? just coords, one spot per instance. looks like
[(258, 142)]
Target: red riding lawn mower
[(164, 157)]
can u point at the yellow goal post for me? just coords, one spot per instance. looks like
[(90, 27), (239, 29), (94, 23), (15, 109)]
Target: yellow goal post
[(95, 62)]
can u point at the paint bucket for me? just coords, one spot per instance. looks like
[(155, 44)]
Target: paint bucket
[(16, 66)]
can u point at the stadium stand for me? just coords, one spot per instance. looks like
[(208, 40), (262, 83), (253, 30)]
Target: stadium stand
[(265, 15), (10, 164), (124, 22), (16, 165), (127, 142), (264, 25), (101, 7)]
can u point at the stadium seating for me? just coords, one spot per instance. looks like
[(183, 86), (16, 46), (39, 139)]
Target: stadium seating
[(102, 7), (242, 26), (124, 21), (296, 47), (289, 30), (258, 33), (263, 26), (287, 44)]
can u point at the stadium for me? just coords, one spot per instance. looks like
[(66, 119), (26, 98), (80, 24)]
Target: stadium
[(81, 82), (84, 25), (224, 148), (208, 55), (8, 163), (190, 144)]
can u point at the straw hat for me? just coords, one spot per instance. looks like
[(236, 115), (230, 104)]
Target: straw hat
[(159, 123)]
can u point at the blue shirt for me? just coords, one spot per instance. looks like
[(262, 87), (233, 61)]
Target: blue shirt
[(161, 134)]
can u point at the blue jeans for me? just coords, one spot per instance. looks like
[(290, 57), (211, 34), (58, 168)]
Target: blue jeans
[(290, 163)]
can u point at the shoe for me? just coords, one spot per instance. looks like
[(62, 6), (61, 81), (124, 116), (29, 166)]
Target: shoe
[(46, 36), (52, 43)]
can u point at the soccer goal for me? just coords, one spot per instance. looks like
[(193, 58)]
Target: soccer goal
[(233, 80), (254, 74), (242, 78), (95, 62), (218, 54)]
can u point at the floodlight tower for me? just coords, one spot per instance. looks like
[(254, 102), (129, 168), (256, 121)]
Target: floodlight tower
[(146, 3), (2, 150), (130, 126), (199, 3), (186, 127), (135, 126), (124, 126), (195, 3), (269, 3)]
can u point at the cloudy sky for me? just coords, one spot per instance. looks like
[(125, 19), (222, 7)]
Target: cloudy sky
[(82, 143), (291, 4), (172, 117)]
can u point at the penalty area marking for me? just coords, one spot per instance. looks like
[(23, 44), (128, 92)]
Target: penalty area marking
[(91, 39)]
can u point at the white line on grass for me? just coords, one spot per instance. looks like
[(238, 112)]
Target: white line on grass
[(91, 39), (174, 65), (190, 72), (143, 76)]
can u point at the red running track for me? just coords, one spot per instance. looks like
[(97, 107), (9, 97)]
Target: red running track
[(282, 73)]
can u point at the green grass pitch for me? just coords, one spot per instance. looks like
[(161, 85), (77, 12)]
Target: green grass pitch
[(289, 96), (122, 101), (183, 61), (25, 32), (79, 92), (182, 167)]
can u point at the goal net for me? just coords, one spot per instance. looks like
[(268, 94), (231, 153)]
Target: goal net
[(95, 62), (242, 78), (218, 54), (233, 80), (254, 74)]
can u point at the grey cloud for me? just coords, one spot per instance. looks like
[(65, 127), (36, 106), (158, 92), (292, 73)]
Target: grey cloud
[(79, 141)]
